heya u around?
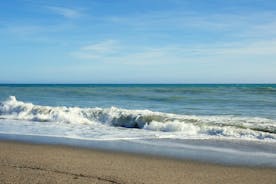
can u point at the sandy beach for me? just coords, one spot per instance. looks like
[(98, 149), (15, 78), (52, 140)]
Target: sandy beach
[(33, 163)]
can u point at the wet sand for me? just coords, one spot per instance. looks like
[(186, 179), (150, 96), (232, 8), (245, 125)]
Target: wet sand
[(34, 163)]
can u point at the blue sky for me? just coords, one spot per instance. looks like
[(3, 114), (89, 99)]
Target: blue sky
[(138, 41)]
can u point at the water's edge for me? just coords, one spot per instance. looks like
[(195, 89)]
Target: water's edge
[(223, 152)]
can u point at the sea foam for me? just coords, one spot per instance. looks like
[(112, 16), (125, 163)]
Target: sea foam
[(182, 126)]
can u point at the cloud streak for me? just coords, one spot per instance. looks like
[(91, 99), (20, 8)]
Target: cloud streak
[(98, 50), (249, 24), (110, 51), (65, 12)]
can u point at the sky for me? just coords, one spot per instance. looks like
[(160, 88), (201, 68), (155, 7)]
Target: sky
[(138, 41)]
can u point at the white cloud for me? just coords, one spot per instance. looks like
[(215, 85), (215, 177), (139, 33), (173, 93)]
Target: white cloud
[(98, 50), (36, 32), (66, 12), (250, 24), (250, 49), (101, 47), (110, 51)]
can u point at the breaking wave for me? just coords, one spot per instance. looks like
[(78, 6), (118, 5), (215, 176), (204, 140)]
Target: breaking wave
[(185, 125)]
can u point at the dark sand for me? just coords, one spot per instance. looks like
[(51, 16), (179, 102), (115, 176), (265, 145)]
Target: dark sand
[(30, 163)]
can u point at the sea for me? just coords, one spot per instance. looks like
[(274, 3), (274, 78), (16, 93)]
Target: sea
[(221, 123)]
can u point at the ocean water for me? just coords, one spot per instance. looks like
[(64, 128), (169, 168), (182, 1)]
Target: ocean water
[(173, 118)]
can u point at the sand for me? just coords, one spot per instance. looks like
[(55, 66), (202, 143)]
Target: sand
[(33, 163)]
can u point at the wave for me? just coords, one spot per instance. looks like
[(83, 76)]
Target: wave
[(260, 90), (184, 125)]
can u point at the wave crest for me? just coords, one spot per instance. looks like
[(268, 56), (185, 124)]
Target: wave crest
[(223, 126)]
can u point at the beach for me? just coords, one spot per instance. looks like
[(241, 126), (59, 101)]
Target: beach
[(138, 92), (38, 163)]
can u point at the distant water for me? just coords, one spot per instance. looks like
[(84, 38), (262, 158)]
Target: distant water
[(140, 112)]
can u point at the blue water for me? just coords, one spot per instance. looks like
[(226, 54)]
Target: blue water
[(254, 100), (166, 117)]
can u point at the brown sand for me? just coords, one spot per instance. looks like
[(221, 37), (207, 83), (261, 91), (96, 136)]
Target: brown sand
[(29, 163)]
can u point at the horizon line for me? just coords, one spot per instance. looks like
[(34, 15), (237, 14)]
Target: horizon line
[(133, 83)]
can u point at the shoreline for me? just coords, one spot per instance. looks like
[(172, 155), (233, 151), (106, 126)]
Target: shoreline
[(22, 162), (220, 152)]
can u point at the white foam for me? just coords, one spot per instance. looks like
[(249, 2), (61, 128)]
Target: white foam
[(105, 122)]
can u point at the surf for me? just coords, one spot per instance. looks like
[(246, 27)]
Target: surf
[(227, 126)]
